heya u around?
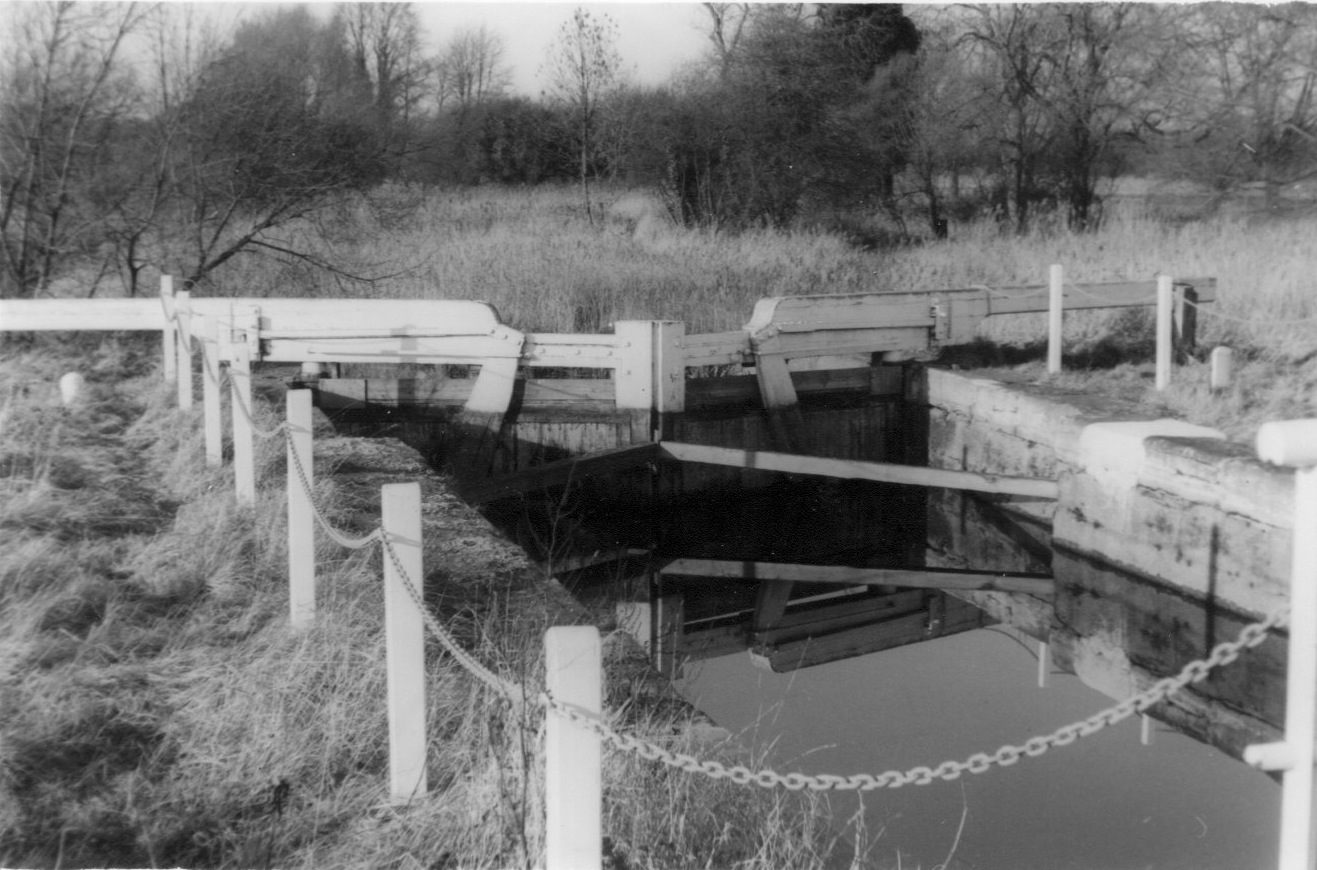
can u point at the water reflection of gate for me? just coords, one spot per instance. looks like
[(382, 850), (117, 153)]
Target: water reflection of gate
[(825, 627)]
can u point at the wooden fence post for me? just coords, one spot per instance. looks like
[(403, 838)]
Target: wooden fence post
[(183, 305), (1223, 365), (1186, 323), (1165, 300), (169, 332), (651, 378), (242, 408), (1055, 302), (573, 790), (1294, 444), (301, 521), (211, 401), (404, 641)]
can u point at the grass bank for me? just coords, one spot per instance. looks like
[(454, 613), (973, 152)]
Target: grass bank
[(158, 711), (533, 253)]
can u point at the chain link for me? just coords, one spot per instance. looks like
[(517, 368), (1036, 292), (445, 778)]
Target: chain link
[(340, 538), (508, 689), (1005, 756), (227, 377), (1223, 654), (263, 434)]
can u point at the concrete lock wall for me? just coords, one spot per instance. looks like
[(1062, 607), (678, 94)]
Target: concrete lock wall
[(1163, 499), (1166, 539)]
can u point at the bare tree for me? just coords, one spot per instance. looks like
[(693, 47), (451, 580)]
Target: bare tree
[(65, 91), (727, 23), (1071, 80), (1252, 110), (472, 68), (1113, 62), (583, 66), (948, 120), (270, 134), (1015, 43), (384, 41)]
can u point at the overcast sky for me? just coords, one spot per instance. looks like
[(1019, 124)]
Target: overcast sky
[(654, 38)]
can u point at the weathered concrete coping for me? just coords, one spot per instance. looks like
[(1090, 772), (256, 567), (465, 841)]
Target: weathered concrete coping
[(1171, 502)]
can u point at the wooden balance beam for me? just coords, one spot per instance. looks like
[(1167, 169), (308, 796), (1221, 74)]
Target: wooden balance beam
[(853, 469)]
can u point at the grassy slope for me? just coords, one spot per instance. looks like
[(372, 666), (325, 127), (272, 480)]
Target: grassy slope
[(157, 711)]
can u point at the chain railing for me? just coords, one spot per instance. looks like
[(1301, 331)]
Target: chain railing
[(1223, 654), (595, 720)]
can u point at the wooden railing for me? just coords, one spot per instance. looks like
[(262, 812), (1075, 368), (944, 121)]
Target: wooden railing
[(648, 360)]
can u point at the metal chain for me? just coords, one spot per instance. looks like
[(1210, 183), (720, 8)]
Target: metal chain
[(1223, 654), (340, 538), (510, 690), (263, 434)]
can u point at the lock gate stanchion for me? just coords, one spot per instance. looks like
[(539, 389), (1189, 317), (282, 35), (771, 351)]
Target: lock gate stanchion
[(1294, 444)]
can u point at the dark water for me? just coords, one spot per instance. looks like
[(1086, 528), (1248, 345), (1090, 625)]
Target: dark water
[(1106, 802)]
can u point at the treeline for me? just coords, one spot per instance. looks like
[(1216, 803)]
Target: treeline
[(129, 128)]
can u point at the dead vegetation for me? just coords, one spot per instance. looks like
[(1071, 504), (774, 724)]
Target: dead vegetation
[(158, 711)]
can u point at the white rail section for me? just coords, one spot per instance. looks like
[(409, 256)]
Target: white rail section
[(649, 359), (1294, 444)]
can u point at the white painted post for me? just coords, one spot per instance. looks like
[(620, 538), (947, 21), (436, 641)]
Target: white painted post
[(211, 401), (404, 641), (169, 333), (301, 521), (573, 790), (1294, 444), (1223, 368), (1055, 301), (652, 374), (240, 386), (669, 622), (1146, 730), (1165, 305), (669, 366), (635, 611), (1044, 663), (72, 389), (183, 305)]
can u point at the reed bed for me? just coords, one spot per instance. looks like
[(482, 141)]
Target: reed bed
[(536, 256), (533, 253)]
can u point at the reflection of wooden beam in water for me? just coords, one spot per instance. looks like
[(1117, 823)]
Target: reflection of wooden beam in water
[(913, 578), (943, 616), (831, 627)]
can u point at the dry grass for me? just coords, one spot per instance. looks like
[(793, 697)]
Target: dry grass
[(158, 711), (532, 253)]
